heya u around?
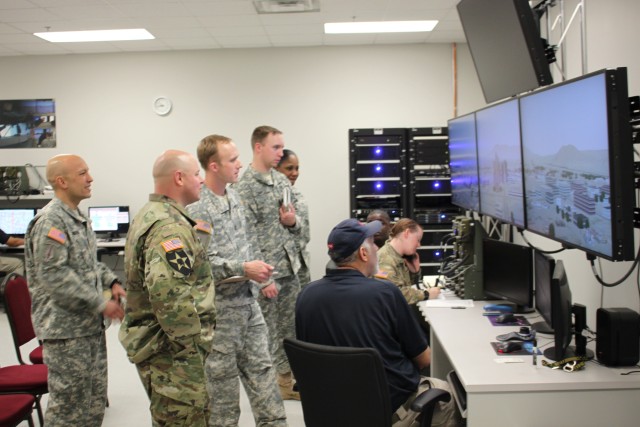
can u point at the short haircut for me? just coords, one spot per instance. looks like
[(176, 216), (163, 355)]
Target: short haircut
[(368, 242), (286, 153), (261, 132), (208, 149), (402, 225)]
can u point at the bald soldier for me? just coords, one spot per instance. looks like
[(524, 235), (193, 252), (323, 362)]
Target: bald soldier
[(170, 315), (66, 282)]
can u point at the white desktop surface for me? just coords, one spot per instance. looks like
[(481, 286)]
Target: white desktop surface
[(515, 394), (112, 243)]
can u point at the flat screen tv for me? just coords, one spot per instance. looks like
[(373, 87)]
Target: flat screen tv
[(500, 163), (508, 273), (463, 162), (578, 164), (110, 220), (505, 45), (14, 222), (543, 266), (561, 312)]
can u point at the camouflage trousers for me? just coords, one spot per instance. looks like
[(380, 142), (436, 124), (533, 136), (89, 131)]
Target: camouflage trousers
[(240, 348), (279, 314), (77, 381), (176, 390)]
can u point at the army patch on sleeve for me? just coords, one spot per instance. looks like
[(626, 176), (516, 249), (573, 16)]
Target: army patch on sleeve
[(172, 245), (381, 274), (57, 235), (179, 261), (203, 226)]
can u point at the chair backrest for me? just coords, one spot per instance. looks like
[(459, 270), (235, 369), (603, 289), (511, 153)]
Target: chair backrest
[(340, 386), (18, 305)]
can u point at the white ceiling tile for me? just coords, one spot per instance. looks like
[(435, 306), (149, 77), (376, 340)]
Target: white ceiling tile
[(206, 24)]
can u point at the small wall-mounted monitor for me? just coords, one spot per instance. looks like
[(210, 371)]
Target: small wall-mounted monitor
[(578, 164), (505, 45), (507, 273), (463, 162), (110, 220), (14, 222), (500, 163)]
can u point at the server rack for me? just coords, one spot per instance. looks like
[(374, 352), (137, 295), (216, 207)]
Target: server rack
[(378, 175), (429, 193)]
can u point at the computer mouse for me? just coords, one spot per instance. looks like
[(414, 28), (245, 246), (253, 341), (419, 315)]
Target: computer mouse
[(509, 346), (506, 318)]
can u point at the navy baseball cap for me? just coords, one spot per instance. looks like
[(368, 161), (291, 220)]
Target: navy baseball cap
[(347, 237)]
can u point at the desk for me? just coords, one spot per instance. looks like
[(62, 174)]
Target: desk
[(521, 394), (111, 247)]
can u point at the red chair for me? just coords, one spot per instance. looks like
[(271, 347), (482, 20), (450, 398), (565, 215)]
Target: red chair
[(17, 302), (25, 379), (16, 408)]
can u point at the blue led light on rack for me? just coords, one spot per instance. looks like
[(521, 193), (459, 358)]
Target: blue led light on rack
[(377, 151), (378, 168)]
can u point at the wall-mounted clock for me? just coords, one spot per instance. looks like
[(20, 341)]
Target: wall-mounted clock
[(162, 105)]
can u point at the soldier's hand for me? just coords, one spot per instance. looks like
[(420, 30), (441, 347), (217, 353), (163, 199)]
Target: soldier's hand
[(118, 292), (113, 310), (270, 291), (258, 270), (434, 292), (288, 215)]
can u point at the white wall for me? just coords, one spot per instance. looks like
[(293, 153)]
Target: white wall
[(314, 95)]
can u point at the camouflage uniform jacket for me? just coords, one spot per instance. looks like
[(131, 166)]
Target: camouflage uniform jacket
[(261, 195), (302, 212), (170, 293), (66, 281), (393, 269), (229, 247)]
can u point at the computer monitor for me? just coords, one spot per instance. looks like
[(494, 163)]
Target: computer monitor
[(578, 164), (543, 274), (505, 44), (463, 162), (507, 273), (110, 220), (500, 163), (15, 221), (561, 312)]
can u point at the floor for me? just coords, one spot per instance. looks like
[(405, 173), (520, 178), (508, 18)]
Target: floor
[(128, 402)]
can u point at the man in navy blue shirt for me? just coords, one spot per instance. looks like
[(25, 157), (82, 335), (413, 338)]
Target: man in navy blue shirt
[(349, 308)]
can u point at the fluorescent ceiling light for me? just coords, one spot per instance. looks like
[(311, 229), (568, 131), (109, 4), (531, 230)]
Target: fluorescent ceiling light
[(95, 36), (379, 27)]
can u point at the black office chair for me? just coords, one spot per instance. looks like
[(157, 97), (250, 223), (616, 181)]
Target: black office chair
[(347, 387)]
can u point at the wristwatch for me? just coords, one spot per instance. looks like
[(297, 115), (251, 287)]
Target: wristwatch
[(426, 294)]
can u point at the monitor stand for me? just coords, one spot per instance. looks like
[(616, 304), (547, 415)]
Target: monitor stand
[(542, 327)]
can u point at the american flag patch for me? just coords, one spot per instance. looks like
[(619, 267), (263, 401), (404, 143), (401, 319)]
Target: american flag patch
[(57, 235), (172, 245), (203, 226), (381, 274)]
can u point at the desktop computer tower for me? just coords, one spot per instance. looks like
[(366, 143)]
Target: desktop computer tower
[(618, 336)]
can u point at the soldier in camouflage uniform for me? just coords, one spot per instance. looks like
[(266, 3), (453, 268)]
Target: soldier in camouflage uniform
[(170, 314), (290, 167), (399, 261), (241, 344), (274, 228), (67, 282)]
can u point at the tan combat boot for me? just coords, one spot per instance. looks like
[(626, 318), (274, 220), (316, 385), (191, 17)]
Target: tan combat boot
[(285, 381)]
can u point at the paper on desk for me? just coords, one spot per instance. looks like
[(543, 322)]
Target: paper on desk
[(448, 303)]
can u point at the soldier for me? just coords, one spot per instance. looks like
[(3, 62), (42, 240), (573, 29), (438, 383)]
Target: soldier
[(272, 222), (66, 282), (289, 165), (170, 314), (241, 343)]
